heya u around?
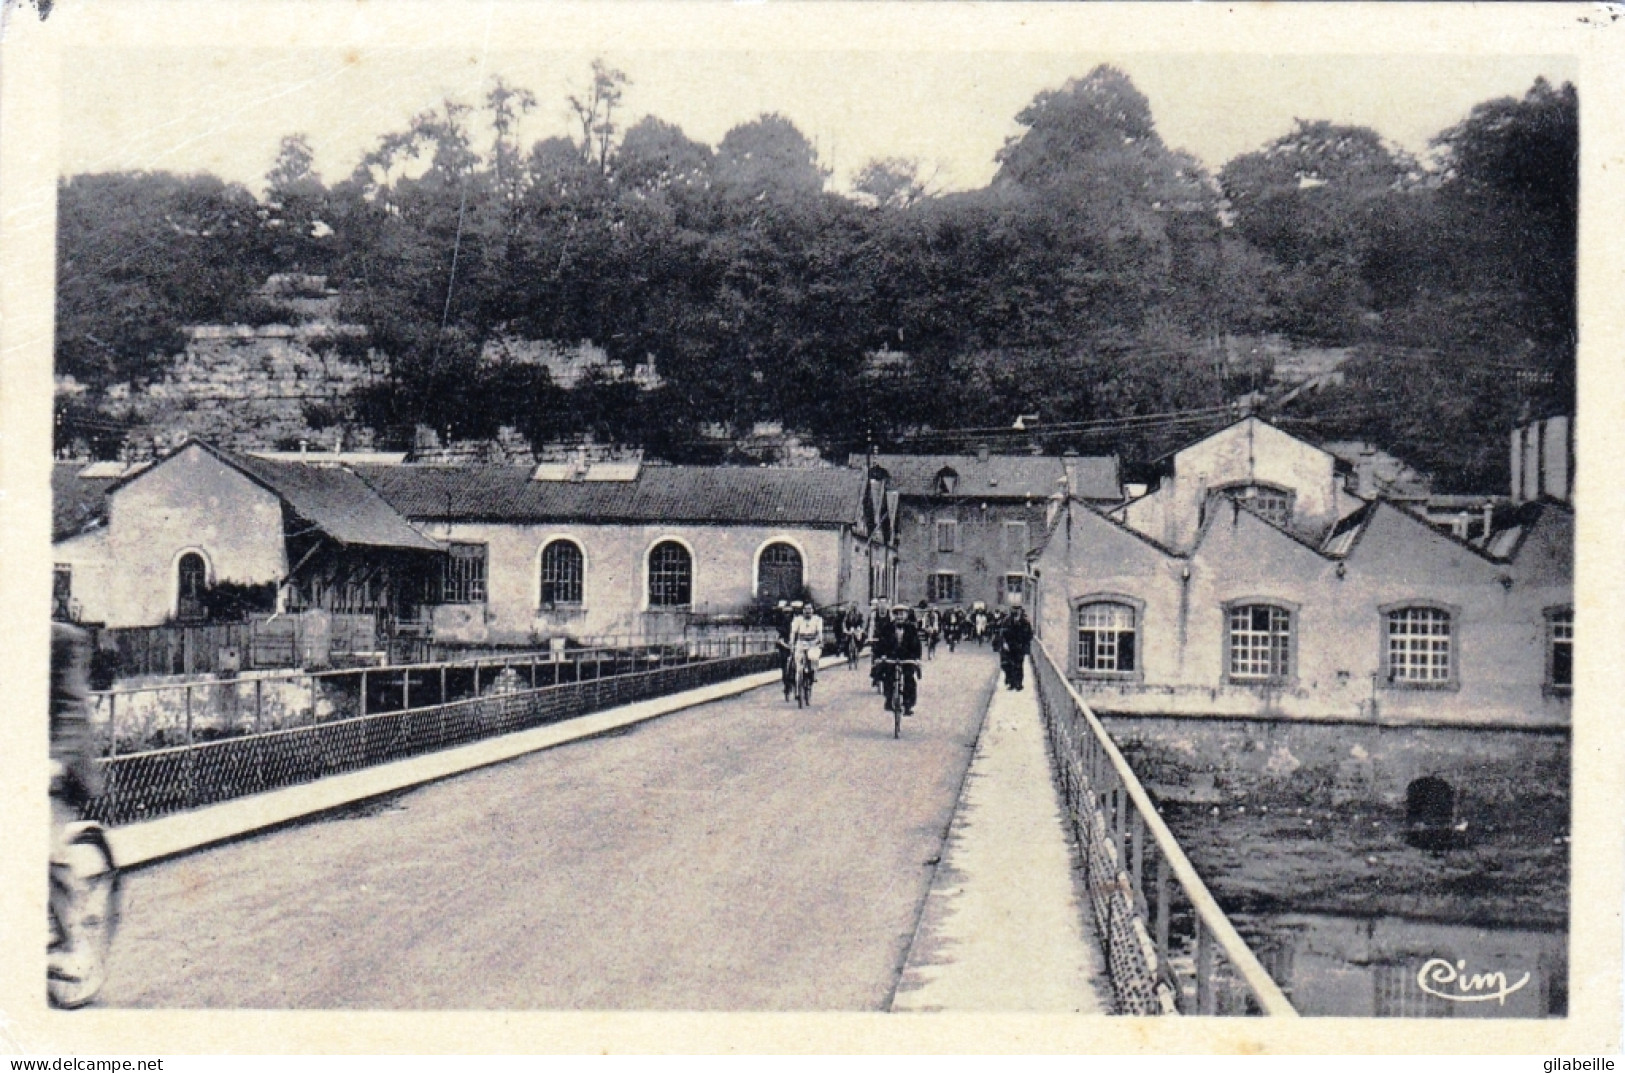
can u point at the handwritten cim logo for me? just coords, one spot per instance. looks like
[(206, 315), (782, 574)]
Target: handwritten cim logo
[(1438, 974)]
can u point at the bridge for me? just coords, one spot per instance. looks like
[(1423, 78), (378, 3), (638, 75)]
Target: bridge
[(709, 848)]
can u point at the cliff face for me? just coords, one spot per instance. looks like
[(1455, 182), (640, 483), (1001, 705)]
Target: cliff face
[(257, 388)]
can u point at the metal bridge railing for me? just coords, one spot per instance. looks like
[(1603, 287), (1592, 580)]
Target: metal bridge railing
[(155, 782), (1169, 947), (138, 718)]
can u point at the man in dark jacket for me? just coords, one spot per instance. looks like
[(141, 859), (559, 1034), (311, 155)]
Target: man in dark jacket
[(787, 671), (901, 649), (1016, 641)]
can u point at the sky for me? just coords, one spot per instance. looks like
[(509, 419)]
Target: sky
[(225, 110)]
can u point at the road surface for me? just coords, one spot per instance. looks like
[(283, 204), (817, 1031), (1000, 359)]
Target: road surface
[(743, 855)]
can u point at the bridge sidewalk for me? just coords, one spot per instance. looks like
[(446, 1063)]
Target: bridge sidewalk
[(1005, 926)]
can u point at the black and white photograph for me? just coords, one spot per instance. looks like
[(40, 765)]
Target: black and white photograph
[(529, 511)]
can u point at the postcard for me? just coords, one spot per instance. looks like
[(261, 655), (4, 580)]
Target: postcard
[(681, 527)]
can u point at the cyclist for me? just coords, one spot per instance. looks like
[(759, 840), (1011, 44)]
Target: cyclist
[(787, 667), (979, 621), (930, 628), (879, 623), (75, 966), (854, 635), (901, 656), (953, 627), (807, 637)]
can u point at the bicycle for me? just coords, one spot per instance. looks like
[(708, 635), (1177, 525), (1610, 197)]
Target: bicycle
[(86, 897), (805, 672), (854, 645), (895, 691)]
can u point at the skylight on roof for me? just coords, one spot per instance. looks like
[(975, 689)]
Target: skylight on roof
[(612, 471), (554, 471)]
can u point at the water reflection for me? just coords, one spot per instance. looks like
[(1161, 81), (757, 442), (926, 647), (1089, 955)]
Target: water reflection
[(1347, 966)]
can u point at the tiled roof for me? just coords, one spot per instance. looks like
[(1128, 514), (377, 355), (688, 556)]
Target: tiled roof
[(704, 494), (1002, 476), (76, 501), (335, 500)]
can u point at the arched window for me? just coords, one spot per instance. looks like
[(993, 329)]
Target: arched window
[(1106, 638), (192, 583), (1419, 647), (1259, 643), (947, 481), (562, 573), (1272, 502), (671, 575), (778, 572)]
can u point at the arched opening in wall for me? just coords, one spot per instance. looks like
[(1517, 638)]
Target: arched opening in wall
[(562, 575), (671, 577), (1430, 813), (779, 573), (192, 585)]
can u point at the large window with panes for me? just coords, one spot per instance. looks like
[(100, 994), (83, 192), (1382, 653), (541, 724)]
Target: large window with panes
[(1107, 639), (1258, 643), (671, 576), (563, 574), (1419, 646), (1272, 502), (464, 581)]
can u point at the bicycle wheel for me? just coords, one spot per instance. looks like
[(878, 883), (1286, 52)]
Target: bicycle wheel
[(76, 966), (804, 692), (894, 701)]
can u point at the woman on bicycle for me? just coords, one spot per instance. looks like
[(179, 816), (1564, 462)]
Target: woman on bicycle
[(807, 638)]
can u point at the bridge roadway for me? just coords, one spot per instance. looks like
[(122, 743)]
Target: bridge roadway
[(740, 855)]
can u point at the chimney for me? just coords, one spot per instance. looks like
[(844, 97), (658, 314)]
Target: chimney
[(1489, 518), (1365, 471), (981, 452)]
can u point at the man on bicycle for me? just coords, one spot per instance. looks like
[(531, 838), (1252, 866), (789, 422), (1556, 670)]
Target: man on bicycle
[(898, 654), (781, 645), (930, 628), (806, 637)]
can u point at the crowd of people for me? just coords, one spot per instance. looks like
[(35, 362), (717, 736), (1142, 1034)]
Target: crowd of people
[(900, 638)]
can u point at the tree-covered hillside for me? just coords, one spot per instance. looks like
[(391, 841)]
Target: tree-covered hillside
[(1093, 282)]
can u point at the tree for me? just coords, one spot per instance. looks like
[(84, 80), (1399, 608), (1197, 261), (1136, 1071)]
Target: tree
[(768, 157), (892, 183), (1072, 131), (655, 155), (595, 112), (1314, 200), (1513, 170), (142, 255), (295, 204)]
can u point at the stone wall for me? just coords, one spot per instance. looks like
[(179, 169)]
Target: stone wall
[(1225, 761)]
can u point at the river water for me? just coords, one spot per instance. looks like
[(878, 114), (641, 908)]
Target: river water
[(1354, 921), (1348, 966)]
